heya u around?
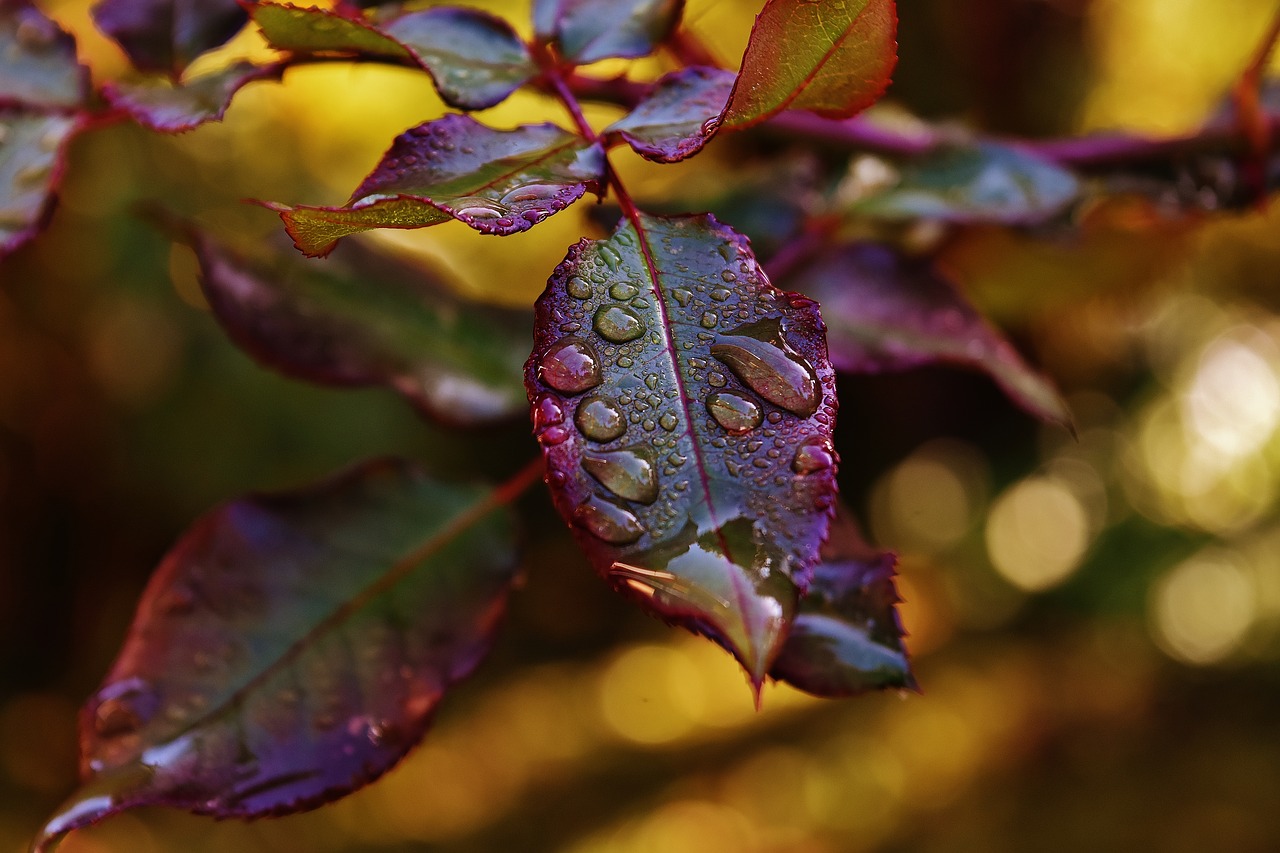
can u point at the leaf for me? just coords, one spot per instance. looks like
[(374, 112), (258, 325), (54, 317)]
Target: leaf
[(983, 182), (672, 122), (886, 312), (833, 57), (166, 35), (292, 647), (685, 408), (174, 108), (38, 66), (586, 31), (312, 30), (496, 181), (847, 637), (365, 319), (32, 149)]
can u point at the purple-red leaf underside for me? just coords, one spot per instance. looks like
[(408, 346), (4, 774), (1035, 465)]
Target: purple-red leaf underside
[(167, 35), (32, 153), (685, 408), (38, 67), (674, 121), (585, 31), (292, 647), (174, 108)]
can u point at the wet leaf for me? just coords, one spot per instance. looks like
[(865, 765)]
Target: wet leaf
[(496, 181), (311, 30), (292, 647), (833, 57), (174, 108), (38, 66), (886, 312), (166, 35), (363, 318), (671, 123), (985, 182), (585, 31), (31, 155), (846, 638), (685, 408)]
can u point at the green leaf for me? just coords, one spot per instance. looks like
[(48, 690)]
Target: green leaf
[(685, 408), (174, 108), (32, 147), (833, 57), (673, 122), (38, 66), (312, 30), (586, 31)]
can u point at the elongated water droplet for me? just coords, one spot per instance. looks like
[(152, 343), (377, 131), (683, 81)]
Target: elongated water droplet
[(780, 377), (609, 255), (720, 294), (618, 324), (578, 287), (608, 521), (628, 473), (600, 419), (736, 412), (624, 290), (813, 456), (571, 366), (682, 295)]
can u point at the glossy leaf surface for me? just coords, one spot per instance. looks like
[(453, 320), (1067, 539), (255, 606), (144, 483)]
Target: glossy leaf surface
[(846, 638), (312, 30), (38, 66), (671, 123), (685, 408), (292, 647), (586, 31), (886, 312), (496, 181), (363, 318), (985, 182), (166, 35), (833, 57), (174, 108), (31, 152)]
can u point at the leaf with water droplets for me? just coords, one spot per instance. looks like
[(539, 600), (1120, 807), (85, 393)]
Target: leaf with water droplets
[(984, 182), (671, 123), (585, 31), (675, 393), (176, 107), (846, 638), (38, 67), (887, 312), (311, 30), (292, 647), (833, 57), (32, 147), (496, 181), (166, 35), (364, 318)]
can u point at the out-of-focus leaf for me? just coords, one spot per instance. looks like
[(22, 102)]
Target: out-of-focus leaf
[(166, 35), (587, 31), (833, 57), (685, 408), (31, 153), (292, 647), (496, 181), (672, 122), (38, 65), (985, 182), (363, 319), (174, 108), (312, 30), (886, 312), (846, 638)]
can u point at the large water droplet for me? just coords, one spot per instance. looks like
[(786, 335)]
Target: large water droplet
[(628, 473), (600, 419), (578, 287), (736, 412), (608, 521), (571, 366), (624, 290), (781, 377), (618, 324), (813, 456)]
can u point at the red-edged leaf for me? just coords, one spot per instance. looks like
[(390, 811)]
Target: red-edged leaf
[(586, 31), (364, 319), (887, 312), (496, 181), (166, 35), (672, 122), (685, 408), (833, 57), (174, 108), (292, 647), (32, 147), (847, 638), (38, 66)]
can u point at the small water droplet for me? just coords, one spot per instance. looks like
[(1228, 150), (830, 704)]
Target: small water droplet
[(547, 411), (618, 324), (624, 290), (720, 294), (709, 319), (668, 422), (571, 366), (736, 412), (578, 287), (813, 456), (600, 419), (551, 436), (608, 521), (628, 473), (716, 379), (115, 717), (682, 296), (728, 275), (651, 381), (625, 361), (778, 376)]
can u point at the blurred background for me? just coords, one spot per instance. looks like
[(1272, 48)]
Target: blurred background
[(1096, 622)]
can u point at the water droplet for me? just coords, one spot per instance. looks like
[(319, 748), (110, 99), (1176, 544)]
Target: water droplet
[(682, 296), (115, 717), (728, 275), (609, 255), (624, 290), (709, 319), (625, 361), (781, 377), (571, 366), (720, 294), (668, 422), (551, 436), (628, 473), (736, 412), (547, 412), (578, 287), (608, 521), (618, 324), (651, 381), (529, 193), (600, 419), (813, 456), (716, 379)]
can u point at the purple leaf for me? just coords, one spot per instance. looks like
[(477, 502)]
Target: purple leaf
[(292, 647), (586, 31), (365, 319), (32, 150), (174, 108), (847, 638), (886, 312), (38, 67), (496, 181), (672, 122), (685, 408), (166, 35)]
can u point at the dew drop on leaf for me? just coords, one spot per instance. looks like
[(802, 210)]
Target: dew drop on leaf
[(781, 377), (607, 521), (811, 457), (579, 288), (628, 473), (618, 324), (624, 290), (736, 412), (600, 419), (571, 366)]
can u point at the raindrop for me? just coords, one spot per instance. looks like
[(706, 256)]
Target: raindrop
[(618, 324), (610, 256), (628, 473), (720, 294), (624, 290), (578, 287), (813, 456), (115, 717), (668, 421), (608, 521), (736, 412), (716, 379), (600, 419), (571, 366), (547, 411), (709, 320), (682, 296), (781, 377), (528, 193)]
